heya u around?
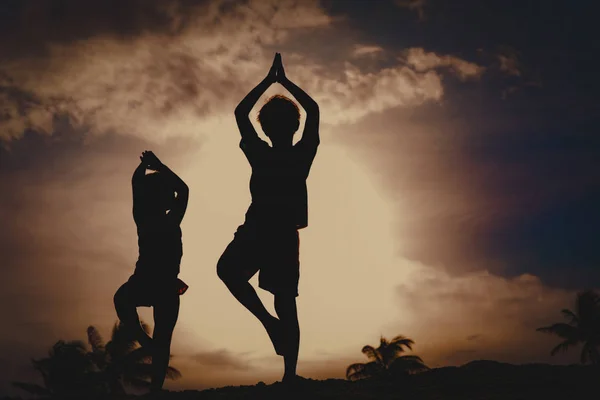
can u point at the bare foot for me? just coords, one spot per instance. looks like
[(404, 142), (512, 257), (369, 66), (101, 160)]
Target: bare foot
[(289, 379)]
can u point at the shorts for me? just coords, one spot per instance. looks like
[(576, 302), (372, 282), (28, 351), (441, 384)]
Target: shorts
[(272, 251), (150, 291)]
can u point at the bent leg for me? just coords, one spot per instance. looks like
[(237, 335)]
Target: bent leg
[(232, 272), (126, 306), (166, 312), (285, 306)]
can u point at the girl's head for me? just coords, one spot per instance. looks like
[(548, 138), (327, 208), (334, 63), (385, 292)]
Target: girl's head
[(156, 196), (279, 119)]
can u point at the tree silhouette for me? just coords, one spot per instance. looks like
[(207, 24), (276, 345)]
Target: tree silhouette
[(386, 360), (583, 327), (67, 372), (71, 370), (121, 361)]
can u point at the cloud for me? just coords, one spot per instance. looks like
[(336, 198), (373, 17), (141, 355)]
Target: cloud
[(504, 311), (186, 75), (414, 5), (366, 50), (356, 94), (509, 64), (422, 60)]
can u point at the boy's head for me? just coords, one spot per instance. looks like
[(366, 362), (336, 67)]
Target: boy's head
[(156, 194), (279, 118)]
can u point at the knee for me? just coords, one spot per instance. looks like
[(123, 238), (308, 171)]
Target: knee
[(224, 271), (120, 298), (285, 306)]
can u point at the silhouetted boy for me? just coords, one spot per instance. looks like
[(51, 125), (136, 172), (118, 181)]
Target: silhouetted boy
[(159, 203), (268, 240)]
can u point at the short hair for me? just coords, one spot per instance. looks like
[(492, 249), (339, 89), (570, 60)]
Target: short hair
[(279, 113)]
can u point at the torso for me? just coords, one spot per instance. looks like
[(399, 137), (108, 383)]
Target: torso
[(160, 249), (278, 189)]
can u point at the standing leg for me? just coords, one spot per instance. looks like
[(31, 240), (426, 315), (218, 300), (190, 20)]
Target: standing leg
[(166, 312), (126, 307), (285, 306)]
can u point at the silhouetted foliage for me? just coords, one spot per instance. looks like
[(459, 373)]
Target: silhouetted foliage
[(66, 372), (583, 327), (386, 360), (70, 370)]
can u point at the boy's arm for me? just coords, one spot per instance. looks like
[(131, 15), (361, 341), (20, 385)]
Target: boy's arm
[(243, 109), (136, 180), (311, 126)]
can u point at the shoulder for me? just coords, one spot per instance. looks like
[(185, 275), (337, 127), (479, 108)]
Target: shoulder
[(254, 146), (253, 142), (307, 145)]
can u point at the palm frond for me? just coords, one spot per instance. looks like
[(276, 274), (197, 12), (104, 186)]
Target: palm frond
[(409, 363), (573, 319), (590, 353), (142, 371), (32, 388), (137, 383), (139, 355), (173, 373), (358, 371), (401, 340), (564, 346), (95, 339), (562, 330), (371, 353), (355, 371)]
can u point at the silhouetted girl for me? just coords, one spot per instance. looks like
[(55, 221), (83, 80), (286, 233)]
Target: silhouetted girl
[(159, 203)]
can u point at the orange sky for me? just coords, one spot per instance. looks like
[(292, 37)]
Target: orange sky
[(174, 94)]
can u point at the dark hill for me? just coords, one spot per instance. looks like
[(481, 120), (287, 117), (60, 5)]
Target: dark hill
[(477, 380)]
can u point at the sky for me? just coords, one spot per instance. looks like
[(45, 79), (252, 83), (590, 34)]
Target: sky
[(453, 199)]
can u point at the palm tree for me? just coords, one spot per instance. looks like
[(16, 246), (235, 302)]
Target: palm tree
[(66, 372), (72, 370), (386, 360), (583, 327), (121, 361)]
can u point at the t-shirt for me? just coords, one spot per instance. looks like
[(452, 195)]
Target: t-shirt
[(160, 249), (278, 182)]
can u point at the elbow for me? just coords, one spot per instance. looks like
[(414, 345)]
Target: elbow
[(313, 109), (240, 112), (184, 191), (184, 187)]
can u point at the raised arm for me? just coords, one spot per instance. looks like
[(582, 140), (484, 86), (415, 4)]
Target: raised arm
[(311, 127), (243, 109), (136, 179), (175, 182)]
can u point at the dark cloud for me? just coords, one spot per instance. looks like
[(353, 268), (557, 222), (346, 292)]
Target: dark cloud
[(511, 187), (31, 24)]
